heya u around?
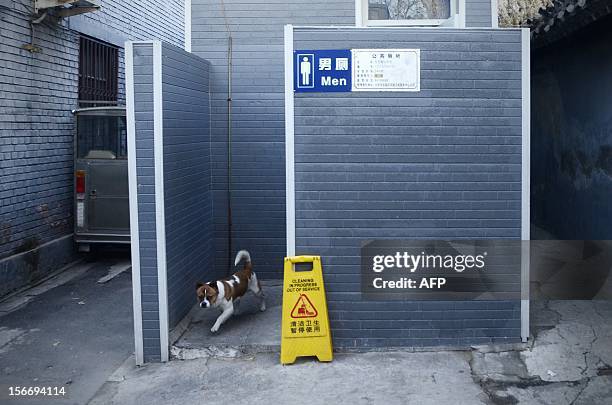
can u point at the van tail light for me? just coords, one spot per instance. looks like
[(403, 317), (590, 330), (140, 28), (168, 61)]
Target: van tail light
[(80, 181)]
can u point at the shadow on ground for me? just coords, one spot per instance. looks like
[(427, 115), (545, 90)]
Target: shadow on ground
[(70, 331)]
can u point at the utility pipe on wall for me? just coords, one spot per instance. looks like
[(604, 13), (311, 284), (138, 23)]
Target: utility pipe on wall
[(229, 138), (229, 154)]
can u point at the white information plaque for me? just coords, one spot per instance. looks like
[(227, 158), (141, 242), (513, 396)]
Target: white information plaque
[(386, 69)]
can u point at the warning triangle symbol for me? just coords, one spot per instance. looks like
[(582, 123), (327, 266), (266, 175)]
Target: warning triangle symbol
[(303, 308)]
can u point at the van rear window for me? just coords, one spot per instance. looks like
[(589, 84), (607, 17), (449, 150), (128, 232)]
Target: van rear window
[(101, 137)]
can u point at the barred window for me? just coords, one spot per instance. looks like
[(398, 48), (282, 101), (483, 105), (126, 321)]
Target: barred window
[(98, 73)]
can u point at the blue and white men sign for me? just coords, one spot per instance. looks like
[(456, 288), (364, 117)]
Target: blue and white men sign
[(341, 70), (325, 70)]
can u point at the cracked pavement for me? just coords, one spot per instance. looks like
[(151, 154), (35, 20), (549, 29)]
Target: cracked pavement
[(566, 362)]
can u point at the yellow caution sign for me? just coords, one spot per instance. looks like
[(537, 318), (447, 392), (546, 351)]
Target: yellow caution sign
[(305, 325)]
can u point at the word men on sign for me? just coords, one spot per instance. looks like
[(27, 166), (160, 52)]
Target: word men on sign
[(322, 70)]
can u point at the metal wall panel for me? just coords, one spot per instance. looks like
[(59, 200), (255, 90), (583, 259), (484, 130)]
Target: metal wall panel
[(442, 163), (187, 187), (258, 202), (173, 187), (478, 13), (145, 177)]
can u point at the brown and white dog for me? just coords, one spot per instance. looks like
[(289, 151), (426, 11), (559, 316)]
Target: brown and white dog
[(226, 293)]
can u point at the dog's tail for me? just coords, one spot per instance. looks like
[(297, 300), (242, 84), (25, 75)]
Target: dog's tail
[(243, 255)]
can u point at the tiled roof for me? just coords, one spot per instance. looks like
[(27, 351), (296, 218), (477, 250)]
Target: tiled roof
[(565, 17)]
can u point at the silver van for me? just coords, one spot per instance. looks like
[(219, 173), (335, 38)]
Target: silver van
[(101, 199)]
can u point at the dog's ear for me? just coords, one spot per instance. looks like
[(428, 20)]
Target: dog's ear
[(199, 284), (213, 285)]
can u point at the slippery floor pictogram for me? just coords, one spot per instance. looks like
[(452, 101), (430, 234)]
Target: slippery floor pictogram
[(303, 308)]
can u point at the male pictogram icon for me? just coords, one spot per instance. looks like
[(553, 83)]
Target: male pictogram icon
[(305, 67)]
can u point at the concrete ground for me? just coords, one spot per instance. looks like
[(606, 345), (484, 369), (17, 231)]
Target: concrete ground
[(247, 331), (70, 331), (76, 329), (390, 378), (567, 362)]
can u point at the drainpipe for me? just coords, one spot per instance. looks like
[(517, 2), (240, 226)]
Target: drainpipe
[(229, 138), (229, 154), (31, 47)]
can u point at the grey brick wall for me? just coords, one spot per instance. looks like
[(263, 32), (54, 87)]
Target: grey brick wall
[(135, 20), (37, 92), (187, 196), (478, 13), (257, 126), (187, 188), (145, 177), (443, 163)]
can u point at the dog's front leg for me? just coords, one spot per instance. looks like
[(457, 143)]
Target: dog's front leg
[(237, 306), (227, 312)]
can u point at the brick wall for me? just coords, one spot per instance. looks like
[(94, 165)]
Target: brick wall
[(137, 20), (37, 92), (442, 163)]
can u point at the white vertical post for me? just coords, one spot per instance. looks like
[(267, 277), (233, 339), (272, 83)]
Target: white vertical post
[(494, 14), (188, 25), (525, 180), (289, 145), (133, 203), (359, 10), (461, 22), (160, 218)]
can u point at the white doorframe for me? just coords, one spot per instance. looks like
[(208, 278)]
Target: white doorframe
[(289, 142), (525, 180), (133, 203)]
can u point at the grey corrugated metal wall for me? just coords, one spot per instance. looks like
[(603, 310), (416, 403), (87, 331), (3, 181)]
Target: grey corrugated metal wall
[(442, 163), (258, 202), (256, 26), (258, 155), (478, 13), (145, 177), (187, 188), (183, 243)]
